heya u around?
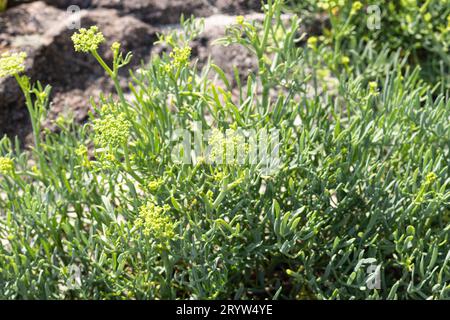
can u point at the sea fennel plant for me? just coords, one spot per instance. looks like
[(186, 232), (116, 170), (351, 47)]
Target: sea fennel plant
[(294, 185)]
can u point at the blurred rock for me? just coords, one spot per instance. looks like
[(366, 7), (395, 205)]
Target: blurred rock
[(160, 11), (157, 11), (234, 6)]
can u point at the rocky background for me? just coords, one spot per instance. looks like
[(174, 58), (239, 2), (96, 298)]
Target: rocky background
[(41, 29)]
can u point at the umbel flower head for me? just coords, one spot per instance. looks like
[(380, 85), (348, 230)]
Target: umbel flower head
[(87, 40), (155, 222), (180, 56), (217, 142), (312, 42), (6, 165), (112, 130), (373, 87), (12, 63), (431, 178), (226, 147), (154, 185), (115, 46), (356, 6)]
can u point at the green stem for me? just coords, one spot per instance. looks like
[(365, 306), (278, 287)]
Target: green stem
[(112, 73), (35, 116), (260, 52), (29, 103)]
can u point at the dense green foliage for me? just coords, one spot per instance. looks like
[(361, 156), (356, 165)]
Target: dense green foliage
[(109, 210), (420, 28)]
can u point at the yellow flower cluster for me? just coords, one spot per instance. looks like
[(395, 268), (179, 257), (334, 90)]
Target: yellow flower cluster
[(216, 141), (154, 185), (331, 4), (112, 130), (180, 58), (87, 39), (430, 178), (155, 222), (373, 87), (312, 42), (219, 176), (356, 6), (226, 146), (82, 152), (12, 63), (345, 60), (235, 142), (6, 165), (115, 46)]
